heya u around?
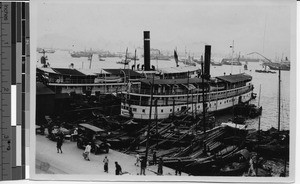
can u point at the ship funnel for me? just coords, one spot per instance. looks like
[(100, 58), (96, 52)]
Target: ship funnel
[(207, 55), (146, 50)]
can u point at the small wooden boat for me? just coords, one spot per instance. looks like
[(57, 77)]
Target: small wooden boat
[(237, 165)]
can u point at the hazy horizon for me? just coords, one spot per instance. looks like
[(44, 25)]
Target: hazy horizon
[(256, 26)]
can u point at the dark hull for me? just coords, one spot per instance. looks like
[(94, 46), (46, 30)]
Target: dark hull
[(284, 68), (264, 71), (216, 64)]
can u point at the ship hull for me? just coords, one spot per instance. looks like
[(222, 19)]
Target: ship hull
[(163, 112)]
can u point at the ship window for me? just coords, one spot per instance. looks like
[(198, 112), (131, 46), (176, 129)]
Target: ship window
[(134, 109), (162, 110), (171, 110), (177, 109), (143, 110)]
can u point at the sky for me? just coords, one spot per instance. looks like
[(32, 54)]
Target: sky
[(255, 26)]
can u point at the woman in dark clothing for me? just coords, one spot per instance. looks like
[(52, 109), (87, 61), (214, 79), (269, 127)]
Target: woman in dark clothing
[(59, 144), (143, 166), (160, 166), (118, 169), (178, 168), (105, 161), (154, 158)]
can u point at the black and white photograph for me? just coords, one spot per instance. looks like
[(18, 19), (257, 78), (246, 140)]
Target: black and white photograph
[(167, 90)]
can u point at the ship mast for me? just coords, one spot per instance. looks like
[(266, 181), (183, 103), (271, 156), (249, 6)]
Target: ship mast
[(279, 91), (135, 59), (125, 62), (232, 54), (203, 98), (90, 59)]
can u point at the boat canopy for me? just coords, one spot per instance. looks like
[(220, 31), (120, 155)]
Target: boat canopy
[(174, 81), (67, 71), (90, 71), (245, 153), (91, 127), (182, 69), (235, 78), (47, 70)]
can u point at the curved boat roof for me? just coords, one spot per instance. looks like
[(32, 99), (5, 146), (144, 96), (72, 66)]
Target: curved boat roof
[(181, 69), (235, 78)]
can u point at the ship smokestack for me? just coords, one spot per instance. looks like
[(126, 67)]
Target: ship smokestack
[(207, 61), (147, 50)]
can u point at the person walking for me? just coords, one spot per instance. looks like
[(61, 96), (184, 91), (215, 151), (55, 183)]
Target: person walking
[(137, 160), (59, 144), (178, 168), (87, 151), (143, 166), (118, 169), (251, 171), (105, 161), (74, 135), (160, 166), (154, 157)]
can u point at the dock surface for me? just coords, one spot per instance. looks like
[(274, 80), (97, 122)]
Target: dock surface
[(71, 161)]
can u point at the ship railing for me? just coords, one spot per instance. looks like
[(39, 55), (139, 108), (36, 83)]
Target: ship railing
[(72, 81), (167, 92), (195, 92), (193, 98)]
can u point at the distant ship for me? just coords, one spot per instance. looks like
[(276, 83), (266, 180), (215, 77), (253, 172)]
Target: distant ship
[(123, 61), (51, 51), (264, 71), (108, 54), (216, 63), (276, 66), (81, 54), (227, 61), (249, 60)]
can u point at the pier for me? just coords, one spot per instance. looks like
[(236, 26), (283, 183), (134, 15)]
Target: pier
[(168, 116)]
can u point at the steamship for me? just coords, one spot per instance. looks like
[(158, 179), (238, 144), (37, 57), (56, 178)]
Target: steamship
[(91, 82), (167, 96), (183, 90)]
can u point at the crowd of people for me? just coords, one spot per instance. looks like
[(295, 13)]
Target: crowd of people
[(140, 161)]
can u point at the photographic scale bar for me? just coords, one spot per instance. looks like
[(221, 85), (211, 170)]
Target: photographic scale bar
[(14, 101)]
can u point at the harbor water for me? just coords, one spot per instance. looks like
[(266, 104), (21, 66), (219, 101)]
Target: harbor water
[(267, 81)]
